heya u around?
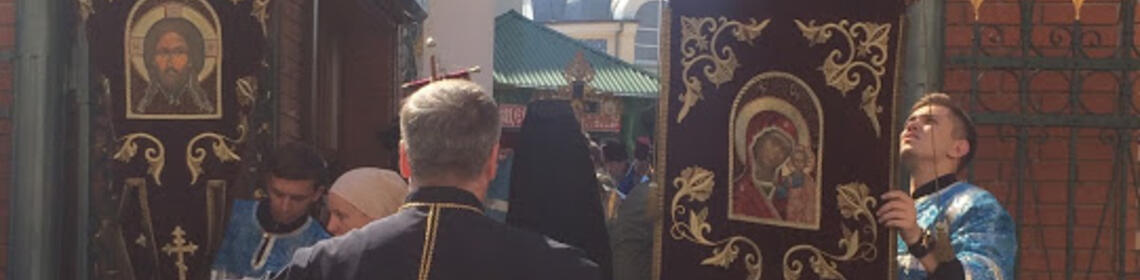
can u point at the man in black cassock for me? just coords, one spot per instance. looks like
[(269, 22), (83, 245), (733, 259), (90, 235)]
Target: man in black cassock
[(554, 190), (450, 140)]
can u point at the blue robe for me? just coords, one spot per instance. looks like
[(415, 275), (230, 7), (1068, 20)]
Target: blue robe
[(239, 256), (497, 201), (981, 232)]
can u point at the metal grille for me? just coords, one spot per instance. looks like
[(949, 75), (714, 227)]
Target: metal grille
[(1060, 96)]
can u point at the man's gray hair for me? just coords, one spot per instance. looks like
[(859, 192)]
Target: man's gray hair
[(449, 128)]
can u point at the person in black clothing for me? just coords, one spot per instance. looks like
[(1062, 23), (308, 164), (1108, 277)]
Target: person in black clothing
[(554, 190), (450, 132)]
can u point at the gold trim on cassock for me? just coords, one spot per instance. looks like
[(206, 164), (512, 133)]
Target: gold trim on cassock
[(431, 230), (429, 242), (442, 205)]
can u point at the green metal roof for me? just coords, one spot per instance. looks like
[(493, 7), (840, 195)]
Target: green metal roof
[(528, 54)]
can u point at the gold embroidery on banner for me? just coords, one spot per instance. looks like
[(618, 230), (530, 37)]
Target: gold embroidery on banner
[(699, 46), (86, 9), (180, 247), (246, 89), (695, 185), (868, 53), (855, 203), (223, 147), (261, 13), (155, 156)]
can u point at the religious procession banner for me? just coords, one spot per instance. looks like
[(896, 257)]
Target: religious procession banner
[(775, 139), (178, 84)]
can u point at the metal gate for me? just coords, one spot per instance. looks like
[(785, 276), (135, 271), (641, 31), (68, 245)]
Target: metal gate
[(1060, 97)]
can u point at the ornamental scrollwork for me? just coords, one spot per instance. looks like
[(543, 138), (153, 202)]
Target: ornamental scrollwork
[(855, 203), (261, 13), (223, 147), (866, 51), (695, 185), (701, 45), (155, 156)]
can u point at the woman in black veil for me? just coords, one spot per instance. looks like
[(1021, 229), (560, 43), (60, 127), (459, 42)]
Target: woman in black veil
[(554, 190)]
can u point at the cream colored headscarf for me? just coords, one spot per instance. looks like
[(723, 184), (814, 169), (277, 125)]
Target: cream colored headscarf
[(374, 191)]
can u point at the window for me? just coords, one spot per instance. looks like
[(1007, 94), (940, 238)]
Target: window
[(645, 52), (597, 44)]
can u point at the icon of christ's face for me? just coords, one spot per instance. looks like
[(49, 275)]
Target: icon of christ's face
[(171, 58)]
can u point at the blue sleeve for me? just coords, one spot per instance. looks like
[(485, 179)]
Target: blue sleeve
[(984, 238)]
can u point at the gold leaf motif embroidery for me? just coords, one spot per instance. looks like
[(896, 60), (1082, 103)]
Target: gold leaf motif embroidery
[(722, 257), (696, 182), (867, 53), (698, 226), (695, 185), (155, 156), (855, 203), (825, 269), (261, 13), (246, 88), (221, 149), (699, 46), (86, 9)]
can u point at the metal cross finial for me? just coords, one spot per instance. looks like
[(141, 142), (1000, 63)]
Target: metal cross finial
[(180, 247), (977, 4)]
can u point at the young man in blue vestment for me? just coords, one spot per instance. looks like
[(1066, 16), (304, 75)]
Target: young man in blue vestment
[(262, 235), (948, 228)]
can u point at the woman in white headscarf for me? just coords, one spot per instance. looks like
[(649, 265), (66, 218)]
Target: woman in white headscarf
[(363, 195)]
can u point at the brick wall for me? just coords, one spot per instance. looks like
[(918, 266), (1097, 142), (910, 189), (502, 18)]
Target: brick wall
[(292, 68), (1044, 228), (7, 45)]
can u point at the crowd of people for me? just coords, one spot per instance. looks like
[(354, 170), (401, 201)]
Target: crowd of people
[(559, 205)]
